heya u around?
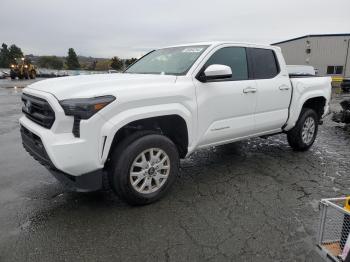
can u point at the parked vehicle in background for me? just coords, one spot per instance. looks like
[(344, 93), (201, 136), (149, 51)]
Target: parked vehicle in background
[(2, 75), (301, 70), (130, 130), (23, 69), (345, 85), (344, 115)]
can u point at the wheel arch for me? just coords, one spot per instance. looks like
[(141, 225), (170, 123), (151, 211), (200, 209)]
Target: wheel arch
[(175, 124), (316, 101)]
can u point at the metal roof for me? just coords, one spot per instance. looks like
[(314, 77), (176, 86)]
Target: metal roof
[(301, 37)]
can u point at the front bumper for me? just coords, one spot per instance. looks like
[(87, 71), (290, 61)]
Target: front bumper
[(72, 155), (87, 182)]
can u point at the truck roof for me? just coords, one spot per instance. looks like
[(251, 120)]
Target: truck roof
[(217, 43)]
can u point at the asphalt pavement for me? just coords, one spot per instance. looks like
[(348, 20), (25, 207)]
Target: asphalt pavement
[(255, 200)]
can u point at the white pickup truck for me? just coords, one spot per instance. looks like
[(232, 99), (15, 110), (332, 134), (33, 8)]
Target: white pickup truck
[(131, 129)]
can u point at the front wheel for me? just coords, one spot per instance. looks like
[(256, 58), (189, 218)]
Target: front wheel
[(32, 74), (303, 135), (13, 75), (143, 168)]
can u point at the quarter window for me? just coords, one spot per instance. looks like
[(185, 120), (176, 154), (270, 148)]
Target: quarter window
[(234, 57), (265, 64)]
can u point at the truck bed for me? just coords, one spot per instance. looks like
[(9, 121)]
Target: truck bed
[(305, 87)]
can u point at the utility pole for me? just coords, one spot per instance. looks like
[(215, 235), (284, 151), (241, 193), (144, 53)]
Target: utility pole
[(346, 58)]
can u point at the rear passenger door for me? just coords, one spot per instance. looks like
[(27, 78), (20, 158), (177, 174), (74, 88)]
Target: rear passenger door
[(273, 90)]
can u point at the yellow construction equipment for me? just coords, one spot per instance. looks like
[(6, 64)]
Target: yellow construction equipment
[(23, 69)]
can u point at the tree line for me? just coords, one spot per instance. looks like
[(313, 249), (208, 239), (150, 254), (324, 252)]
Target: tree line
[(8, 56)]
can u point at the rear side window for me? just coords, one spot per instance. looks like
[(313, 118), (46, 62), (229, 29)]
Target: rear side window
[(234, 57), (264, 63)]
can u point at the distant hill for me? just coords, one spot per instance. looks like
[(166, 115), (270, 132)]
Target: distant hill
[(10, 55), (86, 62), (83, 60)]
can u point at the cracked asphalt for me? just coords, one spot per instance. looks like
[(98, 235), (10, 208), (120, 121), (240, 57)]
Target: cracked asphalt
[(255, 200)]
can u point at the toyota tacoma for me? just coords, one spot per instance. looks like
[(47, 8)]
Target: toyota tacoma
[(129, 130)]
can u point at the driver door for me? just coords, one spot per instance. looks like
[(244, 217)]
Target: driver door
[(226, 106)]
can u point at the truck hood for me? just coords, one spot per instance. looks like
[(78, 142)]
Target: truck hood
[(85, 86)]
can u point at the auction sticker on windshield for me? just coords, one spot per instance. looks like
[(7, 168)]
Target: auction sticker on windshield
[(192, 50)]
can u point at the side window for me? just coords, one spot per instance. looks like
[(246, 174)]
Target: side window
[(234, 57), (330, 70), (265, 64), (339, 70), (334, 70)]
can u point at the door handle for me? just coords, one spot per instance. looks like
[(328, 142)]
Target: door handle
[(282, 88), (249, 90)]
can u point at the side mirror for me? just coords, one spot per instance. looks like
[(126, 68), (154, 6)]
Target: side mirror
[(213, 72)]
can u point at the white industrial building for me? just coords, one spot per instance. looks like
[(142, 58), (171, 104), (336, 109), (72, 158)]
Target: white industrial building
[(328, 53)]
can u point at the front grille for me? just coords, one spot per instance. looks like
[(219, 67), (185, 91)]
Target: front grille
[(38, 110), (33, 144)]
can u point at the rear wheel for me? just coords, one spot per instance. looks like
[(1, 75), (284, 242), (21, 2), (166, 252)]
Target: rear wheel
[(303, 135), (143, 168)]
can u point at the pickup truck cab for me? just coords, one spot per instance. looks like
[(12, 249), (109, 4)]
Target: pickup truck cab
[(129, 130)]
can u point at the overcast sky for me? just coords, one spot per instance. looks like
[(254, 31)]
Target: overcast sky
[(104, 28)]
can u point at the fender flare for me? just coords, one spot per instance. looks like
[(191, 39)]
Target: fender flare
[(113, 125), (298, 105)]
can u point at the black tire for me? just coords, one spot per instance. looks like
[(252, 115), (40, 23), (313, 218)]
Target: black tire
[(124, 155), (13, 75), (32, 74), (294, 136)]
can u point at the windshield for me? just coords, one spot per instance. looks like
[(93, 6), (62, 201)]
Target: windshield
[(168, 61)]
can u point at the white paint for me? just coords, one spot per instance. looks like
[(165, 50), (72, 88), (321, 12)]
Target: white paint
[(215, 112)]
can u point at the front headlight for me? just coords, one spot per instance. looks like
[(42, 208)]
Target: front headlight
[(84, 108), (12, 66)]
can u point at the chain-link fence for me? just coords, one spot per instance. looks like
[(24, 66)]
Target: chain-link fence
[(334, 229)]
